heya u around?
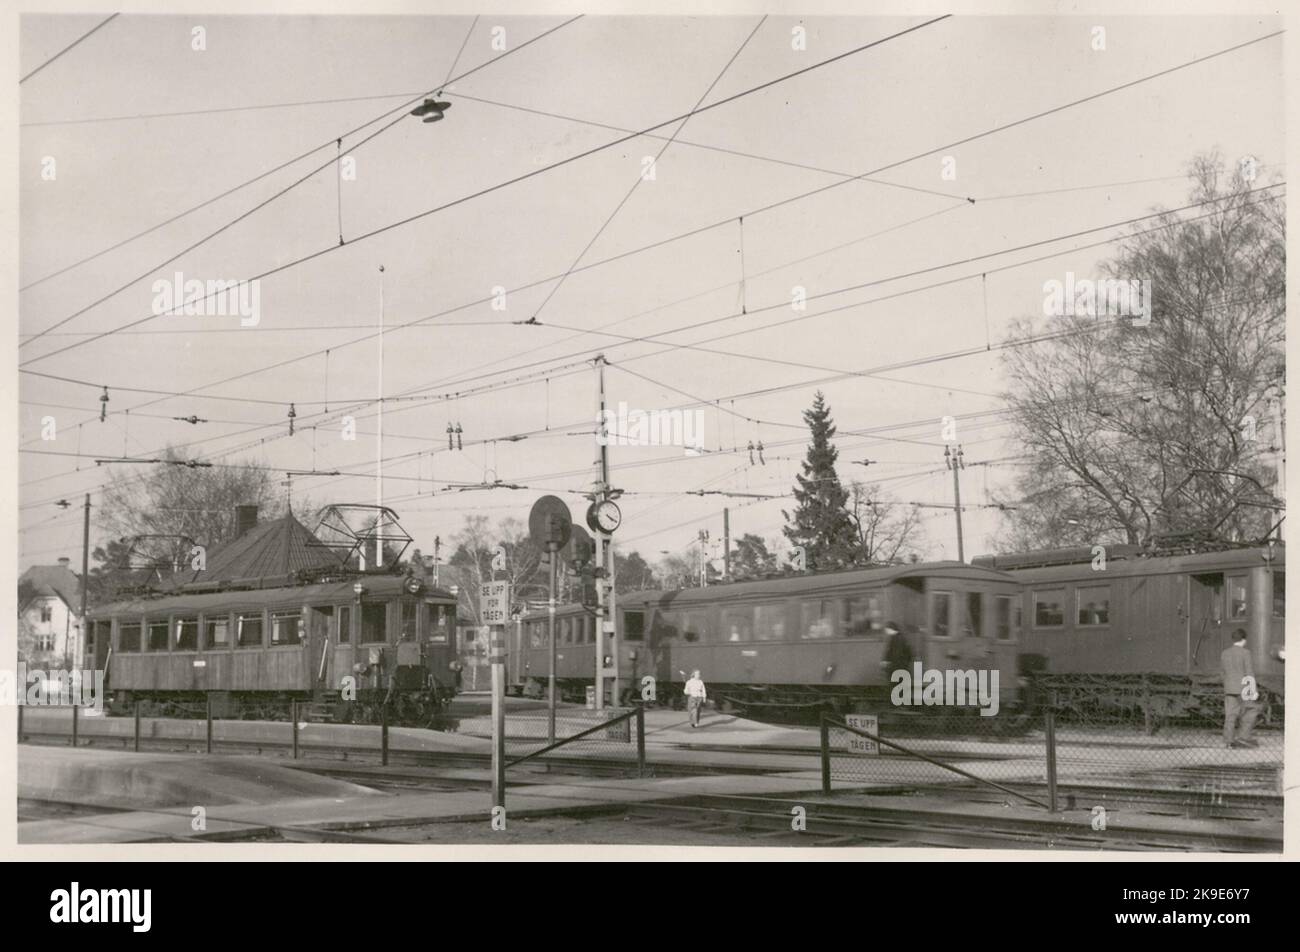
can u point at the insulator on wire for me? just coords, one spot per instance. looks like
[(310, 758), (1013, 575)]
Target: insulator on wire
[(103, 405), (451, 437), (751, 452), (292, 413), (760, 453), (459, 445)]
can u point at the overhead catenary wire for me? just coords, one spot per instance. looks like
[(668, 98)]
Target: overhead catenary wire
[(271, 401), (424, 214), (81, 39), (298, 158)]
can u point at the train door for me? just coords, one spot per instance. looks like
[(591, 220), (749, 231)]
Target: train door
[(957, 629), (1207, 635), (320, 625), (974, 648)]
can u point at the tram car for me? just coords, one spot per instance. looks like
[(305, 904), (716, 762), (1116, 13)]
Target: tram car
[(1138, 630), (795, 643), (275, 617)]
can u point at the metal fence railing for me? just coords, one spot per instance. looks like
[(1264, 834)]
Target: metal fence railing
[(203, 725), (1050, 755), (611, 734)]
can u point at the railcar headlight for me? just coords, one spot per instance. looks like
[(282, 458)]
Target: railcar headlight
[(1281, 654)]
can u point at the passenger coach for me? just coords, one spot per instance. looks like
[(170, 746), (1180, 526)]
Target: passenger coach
[(803, 641)]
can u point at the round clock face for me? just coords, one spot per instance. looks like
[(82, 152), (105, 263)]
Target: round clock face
[(607, 516)]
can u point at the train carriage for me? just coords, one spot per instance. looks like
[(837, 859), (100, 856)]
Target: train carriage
[(801, 642), (1128, 629)]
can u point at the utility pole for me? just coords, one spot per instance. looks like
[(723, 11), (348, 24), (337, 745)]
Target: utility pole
[(85, 578), (953, 459), (1279, 445), (726, 544), (379, 442), (704, 558), (553, 560), (606, 598)]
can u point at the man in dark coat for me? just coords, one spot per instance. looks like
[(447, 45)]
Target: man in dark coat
[(1240, 693), (898, 653)]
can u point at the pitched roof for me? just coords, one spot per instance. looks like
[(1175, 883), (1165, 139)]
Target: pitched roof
[(55, 581), (279, 547)]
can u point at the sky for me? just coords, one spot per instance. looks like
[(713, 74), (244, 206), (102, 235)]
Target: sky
[(138, 126)]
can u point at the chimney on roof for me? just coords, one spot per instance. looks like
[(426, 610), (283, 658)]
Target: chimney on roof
[(64, 561), (245, 519)]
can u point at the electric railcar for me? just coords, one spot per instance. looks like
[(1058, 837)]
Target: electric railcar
[(275, 617), (251, 651)]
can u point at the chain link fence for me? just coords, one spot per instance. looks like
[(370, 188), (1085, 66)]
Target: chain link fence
[(1050, 753)]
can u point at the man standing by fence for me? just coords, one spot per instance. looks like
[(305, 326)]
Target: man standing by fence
[(1239, 692), (695, 697)]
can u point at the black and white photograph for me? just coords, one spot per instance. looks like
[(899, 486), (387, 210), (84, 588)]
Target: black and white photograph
[(622, 432)]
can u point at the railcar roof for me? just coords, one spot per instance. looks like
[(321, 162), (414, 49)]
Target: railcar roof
[(1195, 563), (286, 595), (829, 582)]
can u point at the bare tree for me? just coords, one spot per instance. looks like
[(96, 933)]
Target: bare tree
[(172, 502), (886, 530), (1137, 427)]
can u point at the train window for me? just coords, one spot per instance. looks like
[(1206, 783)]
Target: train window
[(158, 635), (634, 625), (589, 626), (286, 628), (973, 624), (941, 622), (1279, 594), (1049, 608), (345, 624), (128, 636), (536, 634), (217, 635), (769, 622), (249, 628), (1093, 605), (738, 623), (818, 618), (1002, 617), (1237, 596), (696, 627), (862, 615), (374, 623), (409, 609), (436, 623), (187, 634)]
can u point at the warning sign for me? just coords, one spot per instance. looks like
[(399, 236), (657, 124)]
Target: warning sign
[(863, 722)]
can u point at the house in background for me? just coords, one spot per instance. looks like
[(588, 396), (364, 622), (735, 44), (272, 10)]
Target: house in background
[(49, 605)]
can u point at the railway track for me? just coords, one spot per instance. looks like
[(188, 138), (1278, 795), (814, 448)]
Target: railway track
[(841, 824)]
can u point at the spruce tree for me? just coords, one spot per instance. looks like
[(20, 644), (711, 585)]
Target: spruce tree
[(821, 522)]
